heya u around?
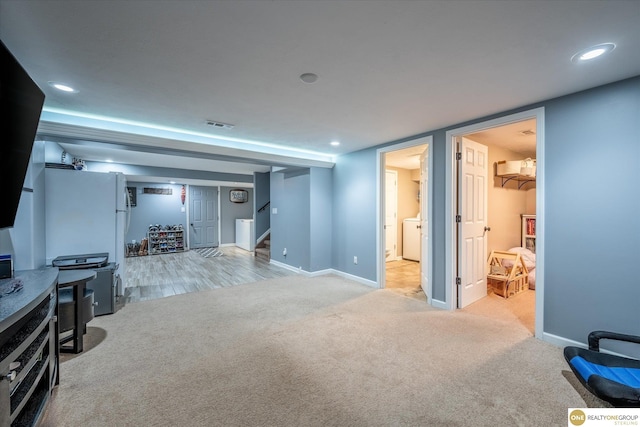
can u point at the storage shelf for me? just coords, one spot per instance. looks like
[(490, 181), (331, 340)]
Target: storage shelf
[(528, 236), (163, 241), (520, 179)]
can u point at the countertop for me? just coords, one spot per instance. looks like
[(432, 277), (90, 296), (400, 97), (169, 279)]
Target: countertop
[(36, 286)]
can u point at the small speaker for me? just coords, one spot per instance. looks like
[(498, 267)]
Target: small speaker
[(6, 267)]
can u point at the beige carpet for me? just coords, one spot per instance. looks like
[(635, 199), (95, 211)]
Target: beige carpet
[(318, 351)]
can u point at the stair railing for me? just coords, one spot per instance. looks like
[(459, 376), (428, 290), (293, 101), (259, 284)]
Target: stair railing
[(264, 207)]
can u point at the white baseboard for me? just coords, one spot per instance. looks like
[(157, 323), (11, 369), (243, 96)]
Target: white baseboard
[(325, 272), (318, 273), (565, 342), (439, 304), (561, 341), (358, 279), (222, 245), (285, 266)]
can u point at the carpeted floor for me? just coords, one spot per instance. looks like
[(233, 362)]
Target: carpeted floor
[(321, 351)]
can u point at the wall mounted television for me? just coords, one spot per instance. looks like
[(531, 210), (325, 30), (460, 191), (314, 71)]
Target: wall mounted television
[(21, 103)]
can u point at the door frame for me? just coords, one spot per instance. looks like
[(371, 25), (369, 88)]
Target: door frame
[(450, 207), (394, 253), (380, 212)]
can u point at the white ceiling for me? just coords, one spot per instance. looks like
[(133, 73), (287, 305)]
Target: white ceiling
[(387, 69)]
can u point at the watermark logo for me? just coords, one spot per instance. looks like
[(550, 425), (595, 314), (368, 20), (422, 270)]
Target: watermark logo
[(600, 417), (577, 417)]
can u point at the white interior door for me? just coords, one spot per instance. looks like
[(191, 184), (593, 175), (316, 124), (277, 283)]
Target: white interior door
[(472, 208), (424, 223), (391, 215)]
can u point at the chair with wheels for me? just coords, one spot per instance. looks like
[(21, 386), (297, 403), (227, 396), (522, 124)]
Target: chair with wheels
[(614, 379)]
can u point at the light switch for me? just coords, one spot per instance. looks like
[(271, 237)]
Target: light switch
[(274, 211)]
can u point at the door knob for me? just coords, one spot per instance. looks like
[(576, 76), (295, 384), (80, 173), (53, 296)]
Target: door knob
[(487, 228)]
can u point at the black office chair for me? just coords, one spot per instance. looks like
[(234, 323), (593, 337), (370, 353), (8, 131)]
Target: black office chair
[(614, 379)]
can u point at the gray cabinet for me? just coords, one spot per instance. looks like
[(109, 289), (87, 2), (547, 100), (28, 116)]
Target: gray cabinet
[(29, 355)]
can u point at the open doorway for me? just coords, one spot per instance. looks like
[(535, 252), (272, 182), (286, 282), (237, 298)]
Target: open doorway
[(404, 217), (493, 211)]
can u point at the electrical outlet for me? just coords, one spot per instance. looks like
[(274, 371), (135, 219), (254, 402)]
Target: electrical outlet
[(355, 259), (284, 252)]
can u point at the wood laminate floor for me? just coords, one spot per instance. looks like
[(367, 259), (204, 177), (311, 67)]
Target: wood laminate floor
[(158, 276), (403, 276)]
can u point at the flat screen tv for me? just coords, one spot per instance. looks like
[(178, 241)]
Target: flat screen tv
[(21, 103)]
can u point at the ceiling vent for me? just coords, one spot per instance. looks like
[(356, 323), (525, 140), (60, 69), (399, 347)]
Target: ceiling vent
[(527, 132), (219, 125)]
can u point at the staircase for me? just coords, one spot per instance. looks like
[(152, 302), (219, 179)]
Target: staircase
[(263, 248)]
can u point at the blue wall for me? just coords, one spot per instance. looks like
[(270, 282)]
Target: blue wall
[(290, 227), (354, 214), (591, 195), (320, 211), (262, 195), (230, 211), (154, 209)]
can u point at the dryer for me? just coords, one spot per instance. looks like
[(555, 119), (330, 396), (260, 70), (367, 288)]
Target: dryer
[(411, 239)]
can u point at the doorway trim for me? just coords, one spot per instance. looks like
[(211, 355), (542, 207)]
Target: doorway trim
[(394, 253), (450, 200), (380, 211)]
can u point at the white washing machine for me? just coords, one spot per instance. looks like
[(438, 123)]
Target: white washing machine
[(411, 239)]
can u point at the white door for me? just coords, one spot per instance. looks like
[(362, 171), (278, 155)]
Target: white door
[(424, 223), (472, 208), (391, 215)]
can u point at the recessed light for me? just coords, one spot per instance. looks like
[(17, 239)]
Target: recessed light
[(309, 77), (109, 160), (334, 143), (172, 182), (593, 52), (63, 87)]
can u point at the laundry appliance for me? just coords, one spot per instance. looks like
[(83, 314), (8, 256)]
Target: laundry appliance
[(411, 239)]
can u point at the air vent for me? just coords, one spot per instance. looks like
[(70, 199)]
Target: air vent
[(527, 132), (219, 125)]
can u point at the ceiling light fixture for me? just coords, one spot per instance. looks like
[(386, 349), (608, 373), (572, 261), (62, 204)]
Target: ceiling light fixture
[(309, 77), (63, 87), (335, 143), (593, 52)]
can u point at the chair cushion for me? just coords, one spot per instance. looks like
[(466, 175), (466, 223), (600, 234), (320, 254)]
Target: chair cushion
[(614, 379), (627, 376)]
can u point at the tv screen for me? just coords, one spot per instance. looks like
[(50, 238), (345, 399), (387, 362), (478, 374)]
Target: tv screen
[(21, 103)]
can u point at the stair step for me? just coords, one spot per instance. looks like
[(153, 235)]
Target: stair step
[(267, 243), (263, 253)]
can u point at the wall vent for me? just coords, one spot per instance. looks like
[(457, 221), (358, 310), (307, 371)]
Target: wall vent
[(219, 125)]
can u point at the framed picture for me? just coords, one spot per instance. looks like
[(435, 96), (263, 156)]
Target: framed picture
[(239, 196)]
